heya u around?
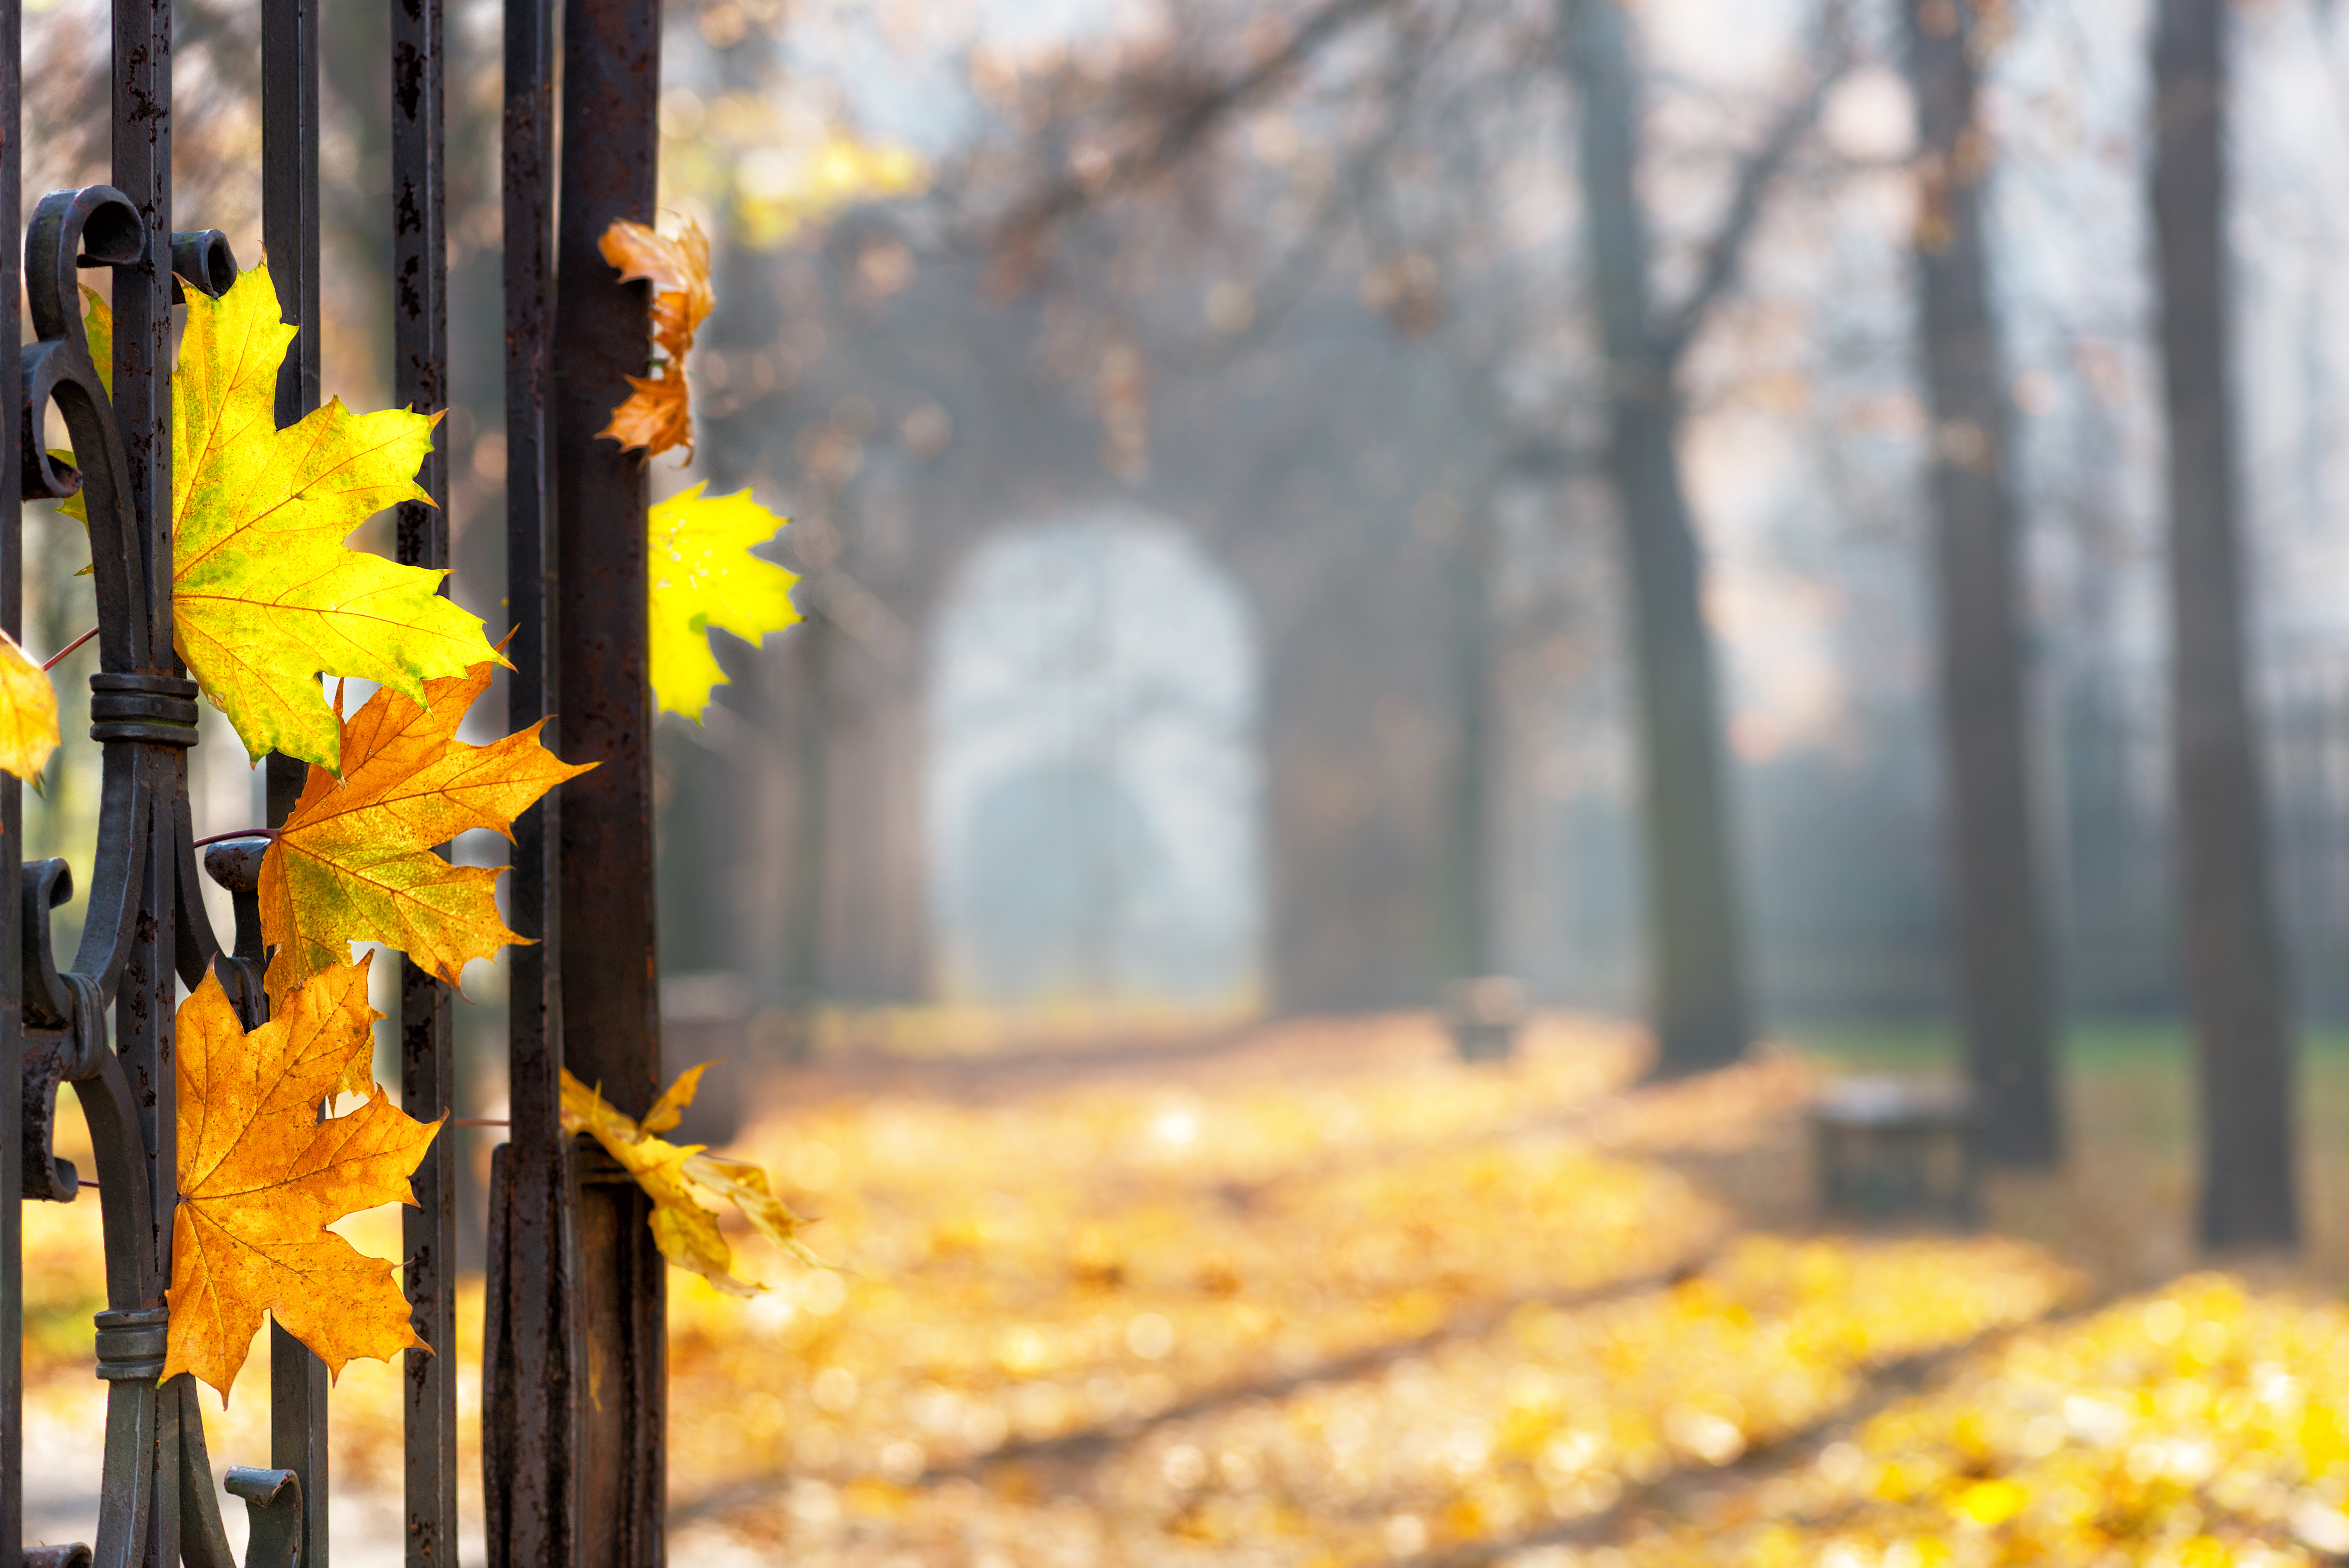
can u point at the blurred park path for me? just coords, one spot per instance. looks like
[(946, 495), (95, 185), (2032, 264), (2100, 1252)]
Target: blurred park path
[(1318, 1293)]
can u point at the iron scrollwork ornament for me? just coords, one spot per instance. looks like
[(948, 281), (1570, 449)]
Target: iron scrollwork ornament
[(143, 712)]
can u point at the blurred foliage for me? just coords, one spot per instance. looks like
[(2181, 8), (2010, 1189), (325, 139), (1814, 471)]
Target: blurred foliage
[(1288, 1311), (771, 161), (2205, 1424)]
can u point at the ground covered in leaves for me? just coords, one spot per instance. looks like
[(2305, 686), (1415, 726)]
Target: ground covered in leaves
[(1322, 1296)]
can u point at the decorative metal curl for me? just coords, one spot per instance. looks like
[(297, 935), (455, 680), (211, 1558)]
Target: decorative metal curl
[(143, 710)]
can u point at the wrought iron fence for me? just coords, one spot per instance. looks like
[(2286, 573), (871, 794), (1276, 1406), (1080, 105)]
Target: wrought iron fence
[(574, 1281)]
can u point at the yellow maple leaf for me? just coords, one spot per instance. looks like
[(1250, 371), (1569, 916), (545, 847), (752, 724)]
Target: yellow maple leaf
[(657, 415), (686, 1233), (266, 595), (354, 861), (669, 1109), (703, 575), (97, 325), (28, 712), (744, 1185), (261, 1178)]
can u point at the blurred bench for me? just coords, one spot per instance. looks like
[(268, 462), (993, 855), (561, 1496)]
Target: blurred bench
[(1892, 1150), (1485, 1016), (706, 1017)]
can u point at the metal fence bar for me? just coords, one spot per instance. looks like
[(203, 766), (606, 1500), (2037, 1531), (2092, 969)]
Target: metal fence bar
[(540, 1442), (427, 1070), (12, 815), (289, 233), (611, 62), (532, 1372), (611, 81), (142, 103), (142, 313), (289, 225), (289, 190)]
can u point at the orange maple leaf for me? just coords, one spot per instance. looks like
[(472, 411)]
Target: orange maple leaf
[(656, 415), (261, 1178), (355, 861)]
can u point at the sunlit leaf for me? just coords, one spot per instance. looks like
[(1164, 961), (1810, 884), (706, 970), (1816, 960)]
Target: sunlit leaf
[(686, 1233), (98, 323), (703, 576), (266, 595), (28, 712), (354, 860), (261, 1176)]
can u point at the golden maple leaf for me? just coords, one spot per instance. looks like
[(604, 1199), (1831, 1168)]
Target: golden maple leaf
[(686, 1233), (703, 575), (266, 595), (657, 415), (97, 325), (28, 712), (354, 861), (261, 1176)]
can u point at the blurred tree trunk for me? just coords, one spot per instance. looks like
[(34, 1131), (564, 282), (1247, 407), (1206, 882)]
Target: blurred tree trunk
[(710, 762), (2234, 964), (803, 974), (779, 896), (2002, 983), (1696, 958), (1466, 942)]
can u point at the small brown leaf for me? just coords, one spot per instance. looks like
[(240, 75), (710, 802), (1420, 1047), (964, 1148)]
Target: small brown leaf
[(657, 415)]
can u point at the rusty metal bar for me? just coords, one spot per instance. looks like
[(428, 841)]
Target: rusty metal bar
[(12, 815), (142, 311), (143, 1023), (289, 227), (428, 1067), (289, 191), (612, 1018), (289, 233), (142, 410), (531, 1374), (623, 1318), (611, 83)]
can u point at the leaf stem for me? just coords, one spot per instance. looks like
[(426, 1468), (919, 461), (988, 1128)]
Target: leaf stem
[(51, 663), (478, 1122), (234, 833)]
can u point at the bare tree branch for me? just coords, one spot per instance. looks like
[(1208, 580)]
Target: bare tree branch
[(1183, 128), (1725, 251)]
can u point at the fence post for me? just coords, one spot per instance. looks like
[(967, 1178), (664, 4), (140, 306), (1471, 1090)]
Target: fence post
[(12, 815), (533, 1372), (289, 225), (145, 923), (577, 1289), (611, 1011), (419, 374)]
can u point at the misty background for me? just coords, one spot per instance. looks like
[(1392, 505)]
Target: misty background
[(1214, 602)]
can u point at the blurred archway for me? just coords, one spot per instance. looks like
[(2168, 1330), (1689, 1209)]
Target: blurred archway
[(1094, 792)]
